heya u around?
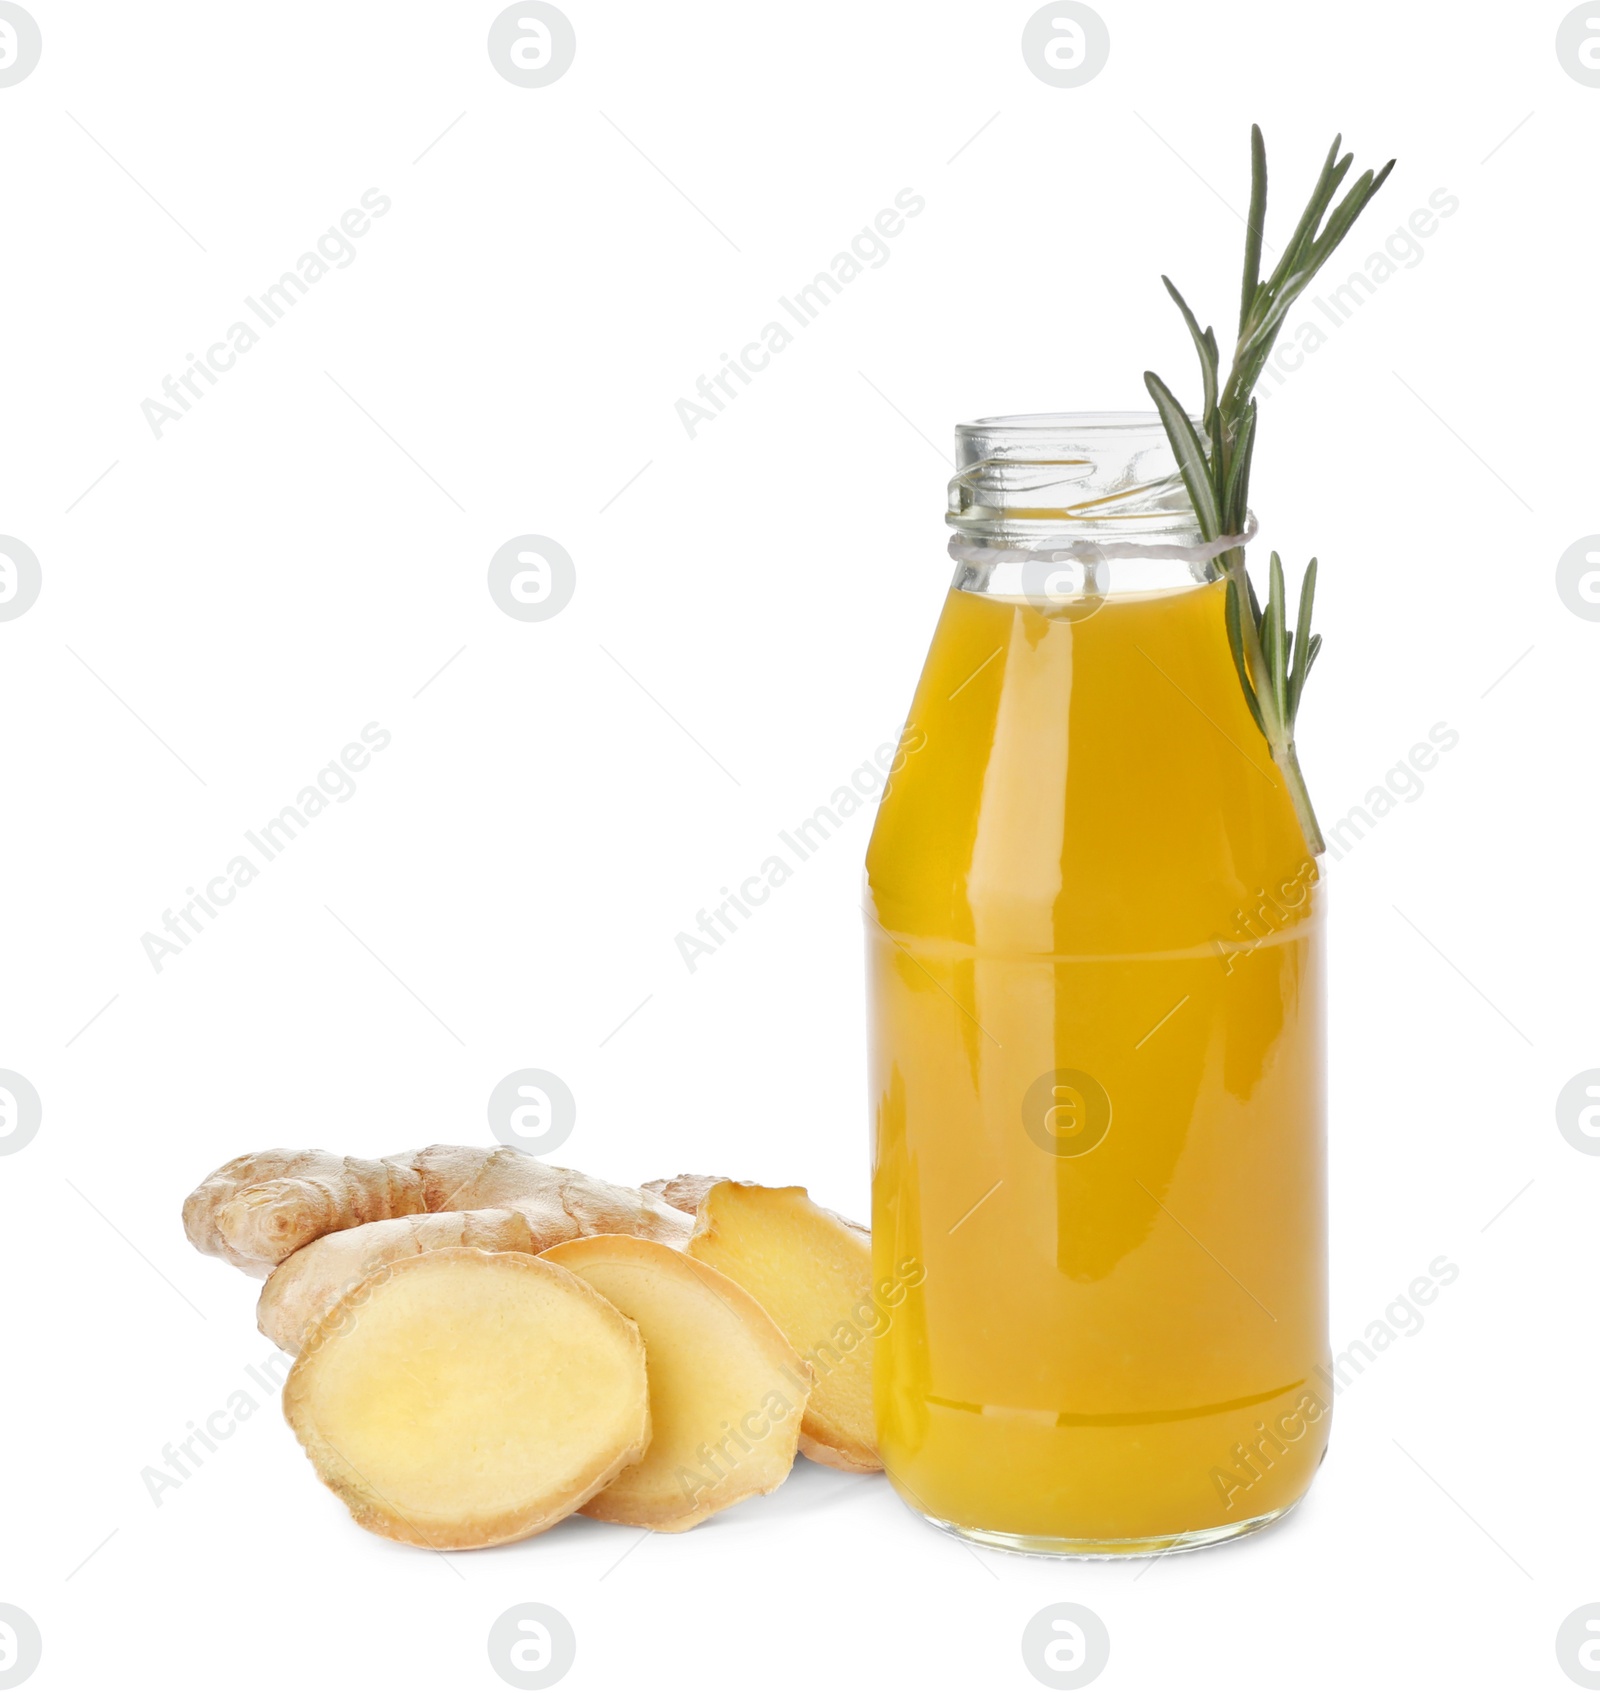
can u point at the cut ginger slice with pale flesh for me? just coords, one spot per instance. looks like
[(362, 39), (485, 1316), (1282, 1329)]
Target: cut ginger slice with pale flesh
[(456, 1390), (310, 1282), (466, 1398), (812, 1272), (726, 1389)]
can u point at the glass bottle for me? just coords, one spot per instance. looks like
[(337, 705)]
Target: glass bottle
[(1095, 959)]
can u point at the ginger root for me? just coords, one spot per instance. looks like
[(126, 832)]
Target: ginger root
[(812, 1272), (726, 1389), (683, 1193), (485, 1341), (310, 1282), (257, 1210), (466, 1398)]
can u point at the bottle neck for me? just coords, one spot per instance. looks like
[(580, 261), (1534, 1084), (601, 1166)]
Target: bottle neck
[(1066, 507), (1053, 583)]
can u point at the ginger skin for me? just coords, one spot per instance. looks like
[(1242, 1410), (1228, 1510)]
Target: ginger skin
[(256, 1210), (682, 1193)]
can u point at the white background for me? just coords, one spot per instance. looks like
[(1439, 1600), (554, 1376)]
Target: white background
[(230, 604)]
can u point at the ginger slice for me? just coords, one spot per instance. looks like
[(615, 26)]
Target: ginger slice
[(256, 1210), (466, 1398), (310, 1282), (726, 1389), (812, 1271)]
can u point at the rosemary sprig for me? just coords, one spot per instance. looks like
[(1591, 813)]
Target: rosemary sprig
[(1214, 460)]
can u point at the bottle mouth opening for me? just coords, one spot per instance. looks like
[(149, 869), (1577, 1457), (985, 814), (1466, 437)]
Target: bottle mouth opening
[(1086, 475)]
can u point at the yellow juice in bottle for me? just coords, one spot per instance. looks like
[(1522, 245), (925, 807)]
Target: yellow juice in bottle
[(1095, 979)]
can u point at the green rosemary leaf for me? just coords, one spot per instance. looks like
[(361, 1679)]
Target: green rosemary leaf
[(1269, 610), (1253, 352), (1256, 348), (1191, 456), (1334, 170), (1313, 253), (1346, 213), (1303, 643), (1236, 644), (1236, 492), (1277, 657), (1255, 223), (1340, 219), (1205, 344)]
